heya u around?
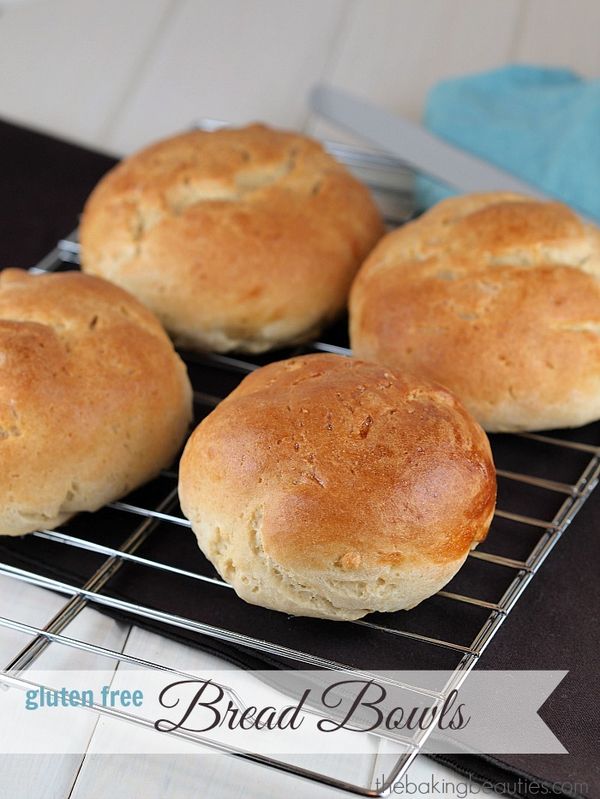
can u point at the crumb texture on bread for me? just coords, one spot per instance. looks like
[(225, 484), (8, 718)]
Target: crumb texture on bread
[(497, 297), (239, 239), (94, 400), (325, 486)]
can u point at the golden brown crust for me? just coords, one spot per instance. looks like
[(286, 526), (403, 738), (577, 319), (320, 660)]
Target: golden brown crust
[(497, 297), (93, 399), (360, 488), (238, 239)]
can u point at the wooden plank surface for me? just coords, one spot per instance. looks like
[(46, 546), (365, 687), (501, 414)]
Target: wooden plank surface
[(233, 61), (118, 74), (560, 34), (65, 65), (48, 776), (394, 52)]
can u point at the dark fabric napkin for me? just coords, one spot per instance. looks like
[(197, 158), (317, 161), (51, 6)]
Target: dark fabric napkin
[(554, 626)]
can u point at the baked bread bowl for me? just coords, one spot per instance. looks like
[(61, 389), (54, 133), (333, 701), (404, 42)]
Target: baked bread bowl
[(330, 487), (497, 297), (238, 239), (94, 401)]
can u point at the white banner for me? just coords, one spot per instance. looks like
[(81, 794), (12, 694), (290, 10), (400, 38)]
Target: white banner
[(276, 712)]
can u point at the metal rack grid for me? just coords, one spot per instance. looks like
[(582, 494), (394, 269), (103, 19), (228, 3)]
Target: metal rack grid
[(163, 511)]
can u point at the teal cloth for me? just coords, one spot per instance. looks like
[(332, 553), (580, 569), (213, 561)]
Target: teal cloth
[(540, 124)]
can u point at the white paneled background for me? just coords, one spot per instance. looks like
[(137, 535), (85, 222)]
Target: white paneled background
[(116, 74)]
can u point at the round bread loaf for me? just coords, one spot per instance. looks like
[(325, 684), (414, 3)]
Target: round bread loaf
[(94, 400), (330, 487), (497, 297), (242, 239)]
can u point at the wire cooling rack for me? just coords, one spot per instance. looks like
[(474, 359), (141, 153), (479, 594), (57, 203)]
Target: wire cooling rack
[(554, 472)]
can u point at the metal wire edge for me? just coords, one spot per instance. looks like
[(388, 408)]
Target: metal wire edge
[(68, 540)]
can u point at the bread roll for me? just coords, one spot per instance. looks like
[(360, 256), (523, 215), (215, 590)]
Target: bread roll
[(93, 399), (242, 239), (330, 487), (497, 297)]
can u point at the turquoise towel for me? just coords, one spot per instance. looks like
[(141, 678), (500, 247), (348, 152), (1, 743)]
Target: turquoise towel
[(541, 124)]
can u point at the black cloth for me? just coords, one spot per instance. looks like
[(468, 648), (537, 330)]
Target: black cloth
[(554, 625)]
